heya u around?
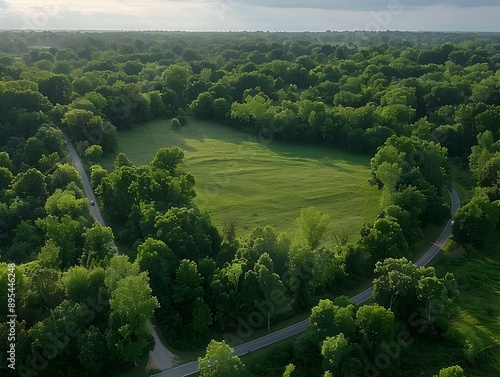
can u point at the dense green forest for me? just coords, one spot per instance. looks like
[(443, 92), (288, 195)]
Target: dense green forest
[(421, 104)]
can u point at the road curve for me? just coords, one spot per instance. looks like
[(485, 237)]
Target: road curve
[(160, 357), (445, 235), (266, 340)]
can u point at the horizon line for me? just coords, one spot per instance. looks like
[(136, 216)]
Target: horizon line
[(252, 31)]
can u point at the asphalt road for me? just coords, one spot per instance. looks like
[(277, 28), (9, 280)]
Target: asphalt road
[(160, 357), (266, 340), (432, 252), (87, 189)]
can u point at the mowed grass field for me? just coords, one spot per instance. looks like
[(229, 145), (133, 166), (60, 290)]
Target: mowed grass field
[(260, 183)]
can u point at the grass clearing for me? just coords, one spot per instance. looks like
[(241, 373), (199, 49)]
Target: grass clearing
[(260, 184)]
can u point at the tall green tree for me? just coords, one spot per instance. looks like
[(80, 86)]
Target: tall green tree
[(383, 239), (128, 335), (189, 234), (119, 268), (98, 248), (403, 288), (270, 285), (203, 106), (220, 362), (313, 226), (30, 183), (65, 203), (66, 233), (57, 88), (161, 263), (376, 326), (301, 280), (454, 371), (93, 350), (334, 350), (176, 78), (188, 286), (475, 222), (168, 159), (330, 319)]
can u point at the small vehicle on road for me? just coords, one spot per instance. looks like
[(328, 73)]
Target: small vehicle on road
[(452, 222), (92, 203)]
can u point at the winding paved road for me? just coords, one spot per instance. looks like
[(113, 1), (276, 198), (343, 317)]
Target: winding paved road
[(159, 358), (190, 368), (87, 189)]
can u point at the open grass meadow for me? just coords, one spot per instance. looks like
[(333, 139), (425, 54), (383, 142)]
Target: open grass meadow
[(260, 183)]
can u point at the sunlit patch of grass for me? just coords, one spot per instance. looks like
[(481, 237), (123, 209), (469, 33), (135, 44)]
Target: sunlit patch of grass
[(259, 183)]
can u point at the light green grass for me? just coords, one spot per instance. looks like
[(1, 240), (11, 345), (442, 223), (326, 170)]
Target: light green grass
[(257, 183), (479, 303)]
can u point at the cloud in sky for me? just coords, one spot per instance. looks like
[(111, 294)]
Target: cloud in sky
[(368, 4), (292, 15)]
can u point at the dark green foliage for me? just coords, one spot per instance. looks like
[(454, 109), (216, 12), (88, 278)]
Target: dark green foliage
[(409, 98), (188, 315), (454, 371), (220, 362), (168, 159), (414, 294), (58, 89), (188, 233), (383, 239), (161, 263), (475, 222), (203, 106), (130, 185)]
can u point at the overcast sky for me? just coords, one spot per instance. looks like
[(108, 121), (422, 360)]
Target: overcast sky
[(221, 15)]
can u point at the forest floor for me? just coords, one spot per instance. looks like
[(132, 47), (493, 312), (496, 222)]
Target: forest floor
[(260, 183)]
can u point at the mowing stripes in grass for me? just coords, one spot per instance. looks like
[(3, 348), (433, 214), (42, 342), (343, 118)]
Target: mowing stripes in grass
[(260, 184)]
